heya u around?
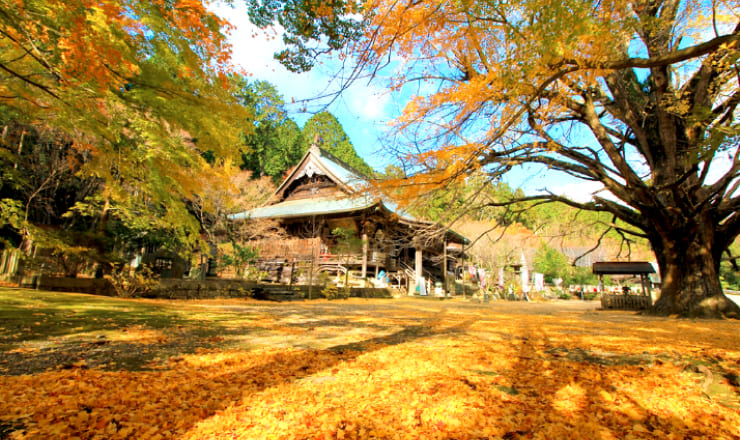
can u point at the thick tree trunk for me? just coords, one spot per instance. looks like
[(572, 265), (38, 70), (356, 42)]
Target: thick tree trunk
[(690, 278)]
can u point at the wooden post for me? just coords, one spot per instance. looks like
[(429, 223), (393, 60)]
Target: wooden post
[(649, 292), (645, 283), (387, 260), (419, 269), (444, 265), (464, 271), (313, 257), (3, 263), (364, 256)]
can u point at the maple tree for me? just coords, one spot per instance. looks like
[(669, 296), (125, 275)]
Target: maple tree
[(142, 89), (638, 96), (39, 186)]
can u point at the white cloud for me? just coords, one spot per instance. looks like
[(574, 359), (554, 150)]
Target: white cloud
[(253, 49), (362, 109), (368, 102), (582, 191)]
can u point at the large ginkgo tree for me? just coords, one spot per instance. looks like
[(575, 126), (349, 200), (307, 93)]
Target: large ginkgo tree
[(638, 96)]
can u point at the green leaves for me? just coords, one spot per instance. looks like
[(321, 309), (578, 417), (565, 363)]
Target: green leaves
[(11, 215), (139, 95), (312, 28), (238, 257), (324, 128), (274, 144)]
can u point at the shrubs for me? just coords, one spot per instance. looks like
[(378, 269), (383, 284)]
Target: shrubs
[(132, 284), (332, 291)]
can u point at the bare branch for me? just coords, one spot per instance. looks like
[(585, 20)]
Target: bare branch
[(668, 59)]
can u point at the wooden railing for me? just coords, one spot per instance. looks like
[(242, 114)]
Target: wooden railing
[(304, 248), (625, 302), (288, 247)]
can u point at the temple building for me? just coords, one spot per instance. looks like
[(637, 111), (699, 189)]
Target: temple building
[(323, 219)]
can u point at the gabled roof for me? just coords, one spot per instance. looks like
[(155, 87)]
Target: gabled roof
[(350, 181), (318, 161)]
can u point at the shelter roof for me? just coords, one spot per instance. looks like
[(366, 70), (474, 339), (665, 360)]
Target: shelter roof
[(622, 268)]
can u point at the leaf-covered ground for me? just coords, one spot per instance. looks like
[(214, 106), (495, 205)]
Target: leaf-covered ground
[(80, 366)]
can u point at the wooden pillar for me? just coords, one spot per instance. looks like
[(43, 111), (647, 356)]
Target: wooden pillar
[(313, 257), (649, 292), (419, 269), (645, 284), (387, 259), (444, 265), (464, 270), (3, 262), (364, 256)]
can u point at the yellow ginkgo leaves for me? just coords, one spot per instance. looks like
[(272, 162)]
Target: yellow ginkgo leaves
[(479, 372)]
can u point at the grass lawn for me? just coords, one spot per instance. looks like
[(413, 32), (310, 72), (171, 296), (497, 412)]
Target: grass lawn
[(83, 366)]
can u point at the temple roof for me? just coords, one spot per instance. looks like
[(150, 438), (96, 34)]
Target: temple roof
[(318, 161), (307, 207), (352, 183)]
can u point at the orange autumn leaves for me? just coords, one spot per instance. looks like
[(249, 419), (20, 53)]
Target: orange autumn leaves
[(99, 44), (500, 82), (462, 373)]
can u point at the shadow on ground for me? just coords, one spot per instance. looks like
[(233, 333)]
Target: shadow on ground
[(369, 369)]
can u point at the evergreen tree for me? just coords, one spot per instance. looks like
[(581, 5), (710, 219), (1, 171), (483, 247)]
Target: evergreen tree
[(275, 144), (333, 139)]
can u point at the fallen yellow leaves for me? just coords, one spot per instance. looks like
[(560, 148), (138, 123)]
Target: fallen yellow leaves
[(467, 375)]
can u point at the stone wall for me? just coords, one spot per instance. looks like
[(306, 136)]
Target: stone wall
[(205, 289), (278, 292), (194, 289), (97, 286)]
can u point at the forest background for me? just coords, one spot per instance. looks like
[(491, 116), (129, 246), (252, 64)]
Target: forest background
[(51, 196), (132, 148)]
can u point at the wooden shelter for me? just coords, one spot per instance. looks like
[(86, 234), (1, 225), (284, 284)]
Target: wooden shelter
[(327, 221), (626, 300)]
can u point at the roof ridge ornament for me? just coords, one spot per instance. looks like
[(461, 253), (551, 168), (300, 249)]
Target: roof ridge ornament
[(314, 148)]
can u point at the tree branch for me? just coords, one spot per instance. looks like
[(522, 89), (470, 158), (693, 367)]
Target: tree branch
[(29, 81), (668, 59)]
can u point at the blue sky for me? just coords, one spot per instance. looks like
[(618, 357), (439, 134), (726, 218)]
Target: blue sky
[(364, 110)]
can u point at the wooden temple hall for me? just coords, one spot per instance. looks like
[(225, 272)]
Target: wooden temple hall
[(321, 221)]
